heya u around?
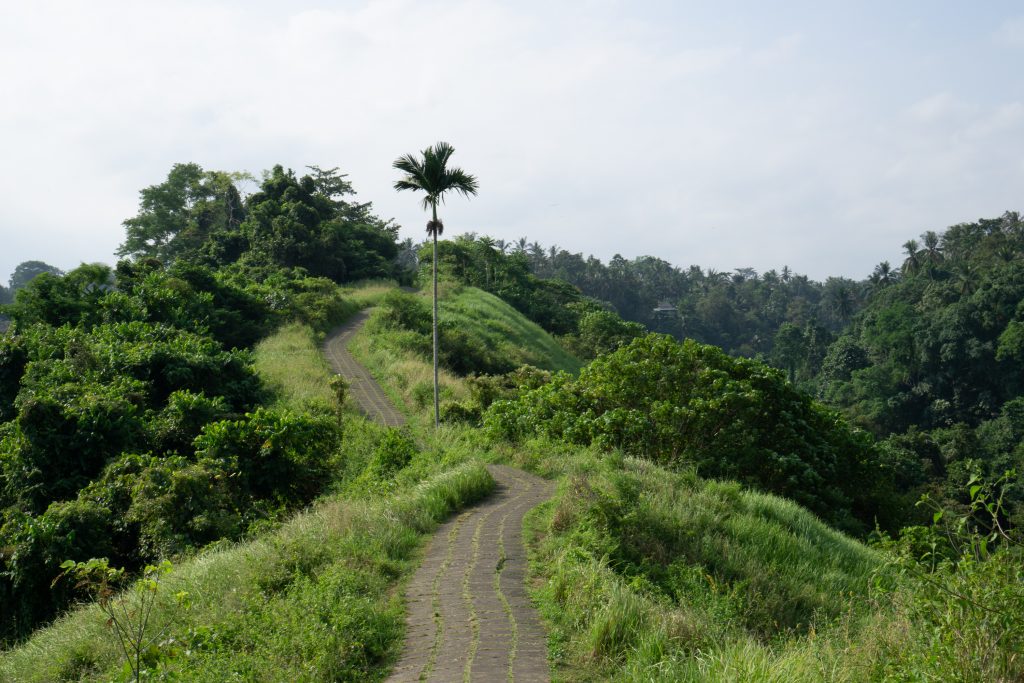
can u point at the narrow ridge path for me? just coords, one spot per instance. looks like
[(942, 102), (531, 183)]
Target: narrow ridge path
[(369, 395), (469, 617)]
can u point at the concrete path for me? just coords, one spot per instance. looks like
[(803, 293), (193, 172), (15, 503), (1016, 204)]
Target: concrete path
[(368, 394), (469, 616)]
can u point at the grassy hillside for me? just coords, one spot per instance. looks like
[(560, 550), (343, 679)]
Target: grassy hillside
[(498, 326), (313, 599), (400, 358), (646, 574), (293, 369), (642, 573)]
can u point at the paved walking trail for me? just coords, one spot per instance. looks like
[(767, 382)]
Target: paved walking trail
[(469, 617), (372, 400)]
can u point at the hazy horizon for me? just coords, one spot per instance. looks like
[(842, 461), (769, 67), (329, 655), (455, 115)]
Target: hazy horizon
[(742, 135)]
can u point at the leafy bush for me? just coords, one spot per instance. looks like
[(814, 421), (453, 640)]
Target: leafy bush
[(178, 505), (279, 456), (13, 359), (69, 432), (690, 404), (960, 580), (31, 552), (179, 423), (394, 452)]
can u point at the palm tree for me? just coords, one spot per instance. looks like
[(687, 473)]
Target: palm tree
[(431, 175), (913, 262)]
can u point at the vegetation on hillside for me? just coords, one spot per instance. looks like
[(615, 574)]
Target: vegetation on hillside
[(175, 406), (133, 424), (690, 405)]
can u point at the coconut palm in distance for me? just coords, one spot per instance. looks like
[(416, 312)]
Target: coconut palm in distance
[(431, 175)]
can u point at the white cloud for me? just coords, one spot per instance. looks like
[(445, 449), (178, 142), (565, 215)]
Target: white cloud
[(603, 127)]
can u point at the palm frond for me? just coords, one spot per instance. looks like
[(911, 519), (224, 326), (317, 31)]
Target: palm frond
[(430, 173), (408, 184)]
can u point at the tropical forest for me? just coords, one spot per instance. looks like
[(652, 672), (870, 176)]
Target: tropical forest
[(276, 442)]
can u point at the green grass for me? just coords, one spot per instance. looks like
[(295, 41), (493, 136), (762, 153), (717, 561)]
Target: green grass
[(290, 364), (499, 326), (311, 601), (367, 292), (645, 574), (407, 377)]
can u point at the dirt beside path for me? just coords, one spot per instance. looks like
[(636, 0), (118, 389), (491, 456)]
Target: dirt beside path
[(469, 617), (368, 394)]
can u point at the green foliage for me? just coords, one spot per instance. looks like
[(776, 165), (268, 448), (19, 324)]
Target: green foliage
[(394, 452), (601, 332), (278, 456), (175, 504), (31, 551), (128, 613), (177, 216), (304, 222), (690, 404), (60, 299), (179, 423), (967, 573), (27, 271), (941, 345), (13, 360), (69, 432)]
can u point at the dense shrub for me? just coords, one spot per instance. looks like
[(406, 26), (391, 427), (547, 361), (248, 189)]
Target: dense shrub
[(69, 432), (31, 551), (278, 456), (13, 359), (178, 504), (394, 452), (691, 404), (179, 423)]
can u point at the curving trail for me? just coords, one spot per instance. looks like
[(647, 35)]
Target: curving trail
[(469, 616), (369, 395)]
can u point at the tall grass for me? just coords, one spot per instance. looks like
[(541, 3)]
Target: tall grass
[(312, 601), (368, 293), (497, 325), (652, 575), (290, 364), (407, 377)]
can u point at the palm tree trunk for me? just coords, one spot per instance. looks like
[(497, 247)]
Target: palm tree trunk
[(437, 403)]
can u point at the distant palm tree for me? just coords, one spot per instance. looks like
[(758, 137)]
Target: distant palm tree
[(431, 175), (883, 275), (912, 264), (932, 252)]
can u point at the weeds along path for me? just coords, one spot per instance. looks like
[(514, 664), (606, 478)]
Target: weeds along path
[(469, 617), (369, 395)]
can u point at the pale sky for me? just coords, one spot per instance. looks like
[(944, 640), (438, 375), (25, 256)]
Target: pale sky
[(821, 136)]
